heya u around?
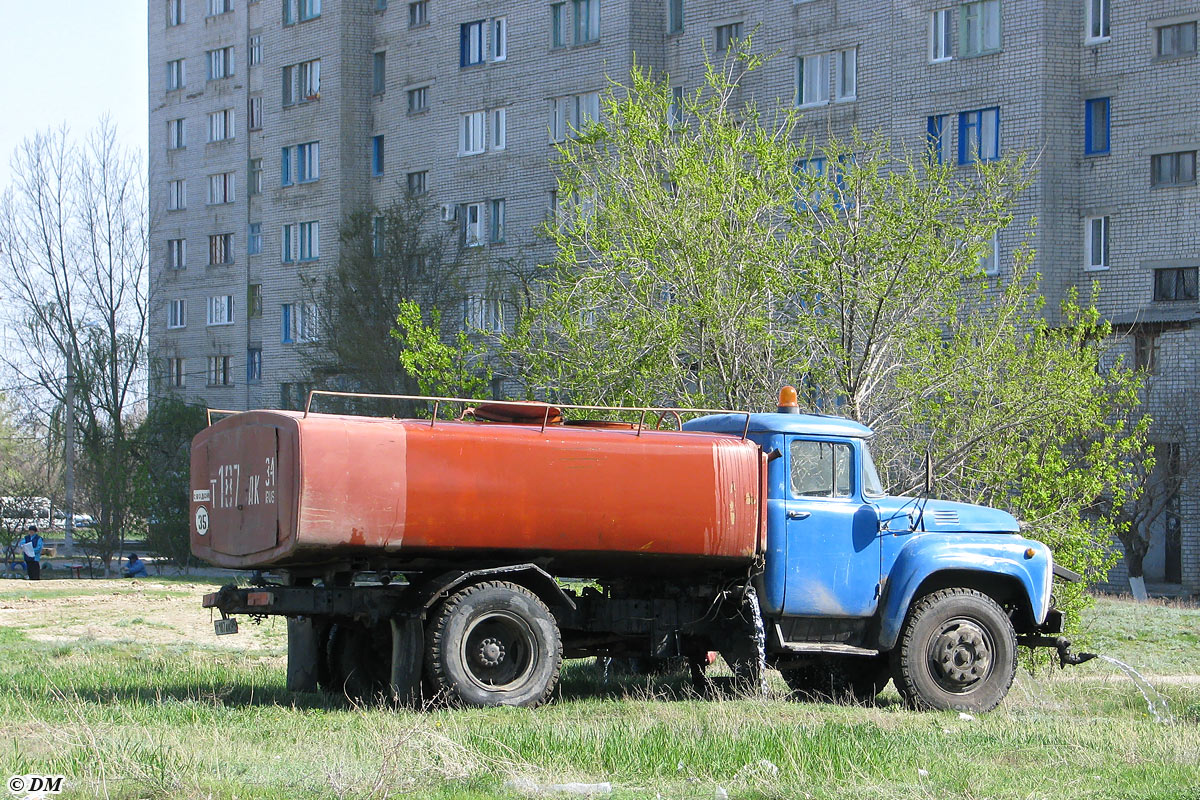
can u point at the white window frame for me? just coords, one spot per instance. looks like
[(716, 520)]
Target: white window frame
[(675, 108), (473, 224), (221, 188), (220, 310), (176, 372), (845, 64), (941, 36), (974, 38), (176, 314), (176, 134), (177, 195), (483, 314), (418, 13), (306, 162), (226, 240), (1093, 261), (558, 118), (989, 262), (418, 93), (812, 71), (218, 370), (176, 12), (302, 82), (254, 110), (497, 220), (176, 74), (498, 47), (309, 234), (587, 25), (254, 238), (472, 133), (499, 128), (289, 243), (726, 36), (1098, 22), (176, 253), (221, 125), (218, 7), (220, 63), (586, 109), (308, 322), (255, 50)]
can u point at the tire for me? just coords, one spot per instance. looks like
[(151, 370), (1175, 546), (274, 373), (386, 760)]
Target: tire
[(493, 644), (839, 679), (957, 650), (360, 660)]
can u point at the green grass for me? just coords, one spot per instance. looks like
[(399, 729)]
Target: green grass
[(132, 719)]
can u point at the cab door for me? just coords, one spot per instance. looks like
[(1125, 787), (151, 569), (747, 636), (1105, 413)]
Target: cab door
[(833, 541)]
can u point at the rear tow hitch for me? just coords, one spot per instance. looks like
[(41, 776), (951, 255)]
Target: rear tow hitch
[(1059, 643)]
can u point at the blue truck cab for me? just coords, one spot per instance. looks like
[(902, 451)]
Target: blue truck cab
[(858, 586)]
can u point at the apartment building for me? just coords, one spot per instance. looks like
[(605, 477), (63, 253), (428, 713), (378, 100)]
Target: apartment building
[(271, 120)]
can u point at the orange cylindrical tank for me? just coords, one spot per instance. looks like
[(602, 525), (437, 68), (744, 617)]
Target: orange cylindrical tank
[(276, 488)]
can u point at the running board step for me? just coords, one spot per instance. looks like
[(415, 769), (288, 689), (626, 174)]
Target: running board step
[(802, 648)]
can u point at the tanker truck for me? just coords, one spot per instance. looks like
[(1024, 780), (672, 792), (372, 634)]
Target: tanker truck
[(463, 557)]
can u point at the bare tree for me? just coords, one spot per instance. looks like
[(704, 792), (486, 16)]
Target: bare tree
[(74, 239)]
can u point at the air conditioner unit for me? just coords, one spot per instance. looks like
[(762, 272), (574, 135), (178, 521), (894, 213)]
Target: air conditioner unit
[(449, 212)]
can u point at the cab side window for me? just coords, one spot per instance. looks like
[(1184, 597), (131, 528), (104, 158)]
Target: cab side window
[(820, 469)]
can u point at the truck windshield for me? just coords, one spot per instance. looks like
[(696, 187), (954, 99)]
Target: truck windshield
[(872, 487)]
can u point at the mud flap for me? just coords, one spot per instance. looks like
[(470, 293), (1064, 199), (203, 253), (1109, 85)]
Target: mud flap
[(408, 649), (303, 653)]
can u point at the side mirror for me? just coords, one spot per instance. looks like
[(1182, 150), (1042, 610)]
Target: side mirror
[(928, 472)]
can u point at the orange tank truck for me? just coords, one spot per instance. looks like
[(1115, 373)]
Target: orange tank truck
[(280, 489)]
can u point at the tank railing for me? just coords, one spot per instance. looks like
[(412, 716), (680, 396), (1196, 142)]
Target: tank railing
[(437, 401), (225, 411)]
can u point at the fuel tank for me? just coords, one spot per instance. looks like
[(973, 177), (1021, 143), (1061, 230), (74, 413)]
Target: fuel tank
[(280, 489)]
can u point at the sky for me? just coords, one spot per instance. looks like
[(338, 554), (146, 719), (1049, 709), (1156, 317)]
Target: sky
[(71, 62)]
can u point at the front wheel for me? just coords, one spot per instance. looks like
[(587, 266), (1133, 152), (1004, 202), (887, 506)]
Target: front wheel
[(494, 644), (957, 650)]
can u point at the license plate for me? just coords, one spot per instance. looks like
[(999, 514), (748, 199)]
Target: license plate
[(225, 626)]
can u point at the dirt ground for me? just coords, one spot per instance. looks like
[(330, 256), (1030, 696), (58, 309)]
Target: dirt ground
[(142, 611)]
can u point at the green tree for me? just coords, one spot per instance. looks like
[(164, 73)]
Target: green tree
[(706, 254), (457, 368), (162, 480)]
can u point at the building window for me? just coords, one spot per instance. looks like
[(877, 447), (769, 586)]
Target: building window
[(218, 371), (220, 125), (285, 319), (254, 112), (572, 114), (177, 195), (937, 137), (176, 253), (218, 7), (1096, 126), (1174, 41), (558, 118), (220, 249), (300, 164), (376, 155), (496, 218), (301, 242), (301, 10), (254, 303), (381, 5), (1173, 169), (471, 133), (1145, 351), (255, 48), (978, 135), (979, 27), (587, 20), (812, 79), (379, 72), (846, 80), (473, 224), (1175, 284), (727, 36), (674, 16), (378, 236), (177, 314), (675, 107), (418, 14), (309, 324), (254, 239), (471, 38), (176, 372), (253, 364), (176, 134), (989, 256), (256, 174), (175, 13), (499, 128), (558, 24), (483, 314), (176, 75), (418, 99), (416, 182), (302, 82), (940, 41), (499, 39), (1095, 243), (220, 310), (220, 63), (1097, 20), (220, 188)]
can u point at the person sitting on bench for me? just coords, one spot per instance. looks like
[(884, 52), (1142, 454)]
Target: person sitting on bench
[(136, 568)]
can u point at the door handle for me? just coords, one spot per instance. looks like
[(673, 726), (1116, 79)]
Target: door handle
[(798, 515)]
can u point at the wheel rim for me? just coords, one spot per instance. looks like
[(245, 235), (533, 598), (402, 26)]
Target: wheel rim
[(961, 655), (498, 651)]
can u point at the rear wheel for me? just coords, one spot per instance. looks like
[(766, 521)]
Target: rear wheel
[(494, 644), (957, 650)]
